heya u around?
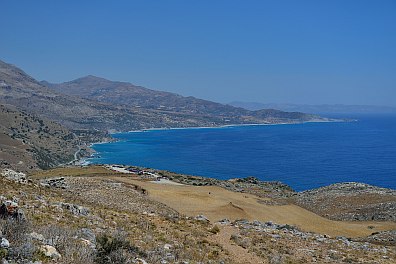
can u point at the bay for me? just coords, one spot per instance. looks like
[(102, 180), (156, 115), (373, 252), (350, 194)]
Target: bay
[(304, 156)]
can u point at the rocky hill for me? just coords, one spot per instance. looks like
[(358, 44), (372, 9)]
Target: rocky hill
[(97, 215), (95, 103), (29, 142), (90, 107), (127, 94), (350, 201)]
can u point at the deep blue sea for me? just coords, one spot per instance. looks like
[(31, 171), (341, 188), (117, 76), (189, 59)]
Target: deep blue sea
[(305, 156)]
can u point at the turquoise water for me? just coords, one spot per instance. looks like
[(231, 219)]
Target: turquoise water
[(305, 156)]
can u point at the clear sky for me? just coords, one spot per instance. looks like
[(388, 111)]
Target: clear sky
[(311, 52)]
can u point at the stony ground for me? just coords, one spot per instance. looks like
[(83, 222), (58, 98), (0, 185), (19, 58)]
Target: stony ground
[(93, 215), (350, 202)]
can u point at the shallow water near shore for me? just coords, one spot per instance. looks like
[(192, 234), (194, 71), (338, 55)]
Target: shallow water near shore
[(305, 156)]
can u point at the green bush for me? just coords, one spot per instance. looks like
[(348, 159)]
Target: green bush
[(115, 249)]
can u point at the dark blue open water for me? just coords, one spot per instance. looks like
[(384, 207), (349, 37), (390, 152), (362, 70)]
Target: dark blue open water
[(305, 156)]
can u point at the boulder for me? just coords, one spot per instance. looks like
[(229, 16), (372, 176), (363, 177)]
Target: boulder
[(4, 243), (50, 251), (202, 218), (75, 209), (10, 209), (14, 176), (58, 182), (36, 236)]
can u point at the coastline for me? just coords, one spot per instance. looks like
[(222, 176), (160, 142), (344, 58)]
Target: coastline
[(84, 160), (329, 120), (318, 170), (96, 158)]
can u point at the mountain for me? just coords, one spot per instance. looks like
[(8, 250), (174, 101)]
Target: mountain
[(97, 104), (319, 109), (29, 142), (132, 96), (52, 120)]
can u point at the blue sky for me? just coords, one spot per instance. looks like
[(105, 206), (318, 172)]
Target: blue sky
[(310, 52)]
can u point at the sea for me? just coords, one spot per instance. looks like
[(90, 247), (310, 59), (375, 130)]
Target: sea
[(304, 156)]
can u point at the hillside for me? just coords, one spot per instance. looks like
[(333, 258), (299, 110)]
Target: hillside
[(97, 215), (132, 96), (28, 142), (95, 103), (90, 107)]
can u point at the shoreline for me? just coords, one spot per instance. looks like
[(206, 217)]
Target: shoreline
[(329, 120), (84, 161)]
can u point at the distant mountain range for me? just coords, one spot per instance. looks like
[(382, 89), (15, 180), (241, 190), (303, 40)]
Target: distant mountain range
[(318, 109), (178, 110), (52, 120)]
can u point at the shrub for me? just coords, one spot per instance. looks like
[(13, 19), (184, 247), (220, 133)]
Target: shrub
[(115, 249), (215, 229)]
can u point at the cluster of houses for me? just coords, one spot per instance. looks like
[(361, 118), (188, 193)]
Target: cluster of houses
[(134, 170)]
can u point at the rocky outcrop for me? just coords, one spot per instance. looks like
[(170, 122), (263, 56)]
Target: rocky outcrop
[(4, 243), (14, 176), (58, 182), (202, 218), (75, 209), (10, 209), (382, 238), (350, 201), (280, 243), (50, 252)]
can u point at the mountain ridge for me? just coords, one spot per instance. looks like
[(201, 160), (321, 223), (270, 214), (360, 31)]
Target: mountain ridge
[(318, 109), (127, 94)]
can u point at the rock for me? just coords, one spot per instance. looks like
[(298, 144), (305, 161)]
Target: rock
[(202, 218), (50, 251), (14, 176), (88, 234), (141, 261), (36, 236), (10, 209), (167, 246), (87, 243), (75, 209), (4, 243), (224, 221), (58, 182)]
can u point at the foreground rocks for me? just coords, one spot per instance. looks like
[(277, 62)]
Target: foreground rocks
[(279, 243), (105, 217)]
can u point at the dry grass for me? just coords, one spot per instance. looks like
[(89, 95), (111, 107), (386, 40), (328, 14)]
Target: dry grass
[(217, 203), (74, 171)]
